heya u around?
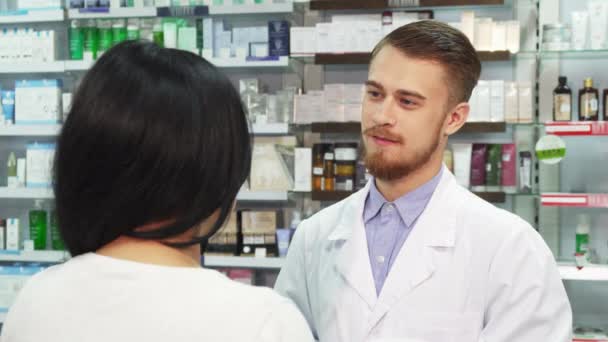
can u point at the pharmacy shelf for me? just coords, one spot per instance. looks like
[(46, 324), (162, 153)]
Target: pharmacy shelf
[(280, 62), (574, 200), (579, 128), (365, 57), (271, 129), (102, 13), (577, 54), (330, 196), (569, 271), (243, 262), (29, 130), (355, 127), (18, 17), (78, 65), (26, 193), (45, 193), (262, 196), (251, 9), (182, 11), (492, 196), (34, 256), (336, 196), (32, 68), (383, 4)]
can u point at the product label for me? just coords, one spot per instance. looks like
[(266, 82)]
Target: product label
[(589, 106), (562, 108), (317, 171)]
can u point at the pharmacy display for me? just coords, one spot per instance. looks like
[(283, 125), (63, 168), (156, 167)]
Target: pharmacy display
[(209, 37)]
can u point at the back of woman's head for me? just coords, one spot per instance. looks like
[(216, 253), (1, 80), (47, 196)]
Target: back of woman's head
[(153, 135)]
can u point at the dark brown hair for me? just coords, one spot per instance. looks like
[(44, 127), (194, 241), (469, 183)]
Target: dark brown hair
[(435, 41)]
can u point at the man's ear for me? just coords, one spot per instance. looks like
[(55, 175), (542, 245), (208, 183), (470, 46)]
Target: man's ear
[(456, 118)]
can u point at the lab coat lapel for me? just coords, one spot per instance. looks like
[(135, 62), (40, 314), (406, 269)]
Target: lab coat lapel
[(415, 262), (353, 259)]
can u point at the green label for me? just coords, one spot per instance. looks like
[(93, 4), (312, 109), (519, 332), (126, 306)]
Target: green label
[(56, 240), (551, 154), (76, 43), (119, 35), (91, 41), (582, 243), (38, 229), (133, 34), (159, 38), (550, 149), (105, 39)]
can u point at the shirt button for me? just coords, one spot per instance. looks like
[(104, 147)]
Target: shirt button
[(390, 208), (380, 259)]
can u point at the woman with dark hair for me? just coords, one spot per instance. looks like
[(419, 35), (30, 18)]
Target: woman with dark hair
[(147, 168)]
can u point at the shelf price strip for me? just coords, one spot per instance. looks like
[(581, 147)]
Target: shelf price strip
[(575, 200), (577, 128)]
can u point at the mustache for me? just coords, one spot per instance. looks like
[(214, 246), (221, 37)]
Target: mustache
[(383, 133)]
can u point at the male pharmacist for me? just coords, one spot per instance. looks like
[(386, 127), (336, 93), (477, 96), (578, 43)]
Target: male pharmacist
[(414, 256)]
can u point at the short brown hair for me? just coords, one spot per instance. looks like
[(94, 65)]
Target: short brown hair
[(441, 43)]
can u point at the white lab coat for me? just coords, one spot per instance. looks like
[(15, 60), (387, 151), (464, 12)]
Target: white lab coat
[(467, 272)]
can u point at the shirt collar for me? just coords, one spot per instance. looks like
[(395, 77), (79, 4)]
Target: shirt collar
[(409, 206)]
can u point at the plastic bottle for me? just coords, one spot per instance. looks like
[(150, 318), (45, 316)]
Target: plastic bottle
[(13, 180), (38, 225), (91, 40), (105, 35), (296, 218), (133, 29), (76, 41), (582, 238), (56, 240)]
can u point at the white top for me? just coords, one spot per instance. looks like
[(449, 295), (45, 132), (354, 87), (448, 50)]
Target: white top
[(95, 298)]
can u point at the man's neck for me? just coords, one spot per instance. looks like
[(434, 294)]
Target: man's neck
[(393, 189)]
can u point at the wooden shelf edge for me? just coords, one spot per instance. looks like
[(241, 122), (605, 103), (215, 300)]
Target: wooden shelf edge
[(328, 5)]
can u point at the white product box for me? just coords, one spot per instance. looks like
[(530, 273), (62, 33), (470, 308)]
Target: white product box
[(208, 34), (303, 170), (473, 106), (525, 102), (511, 102), (513, 36), (38, 164), (353, 93), (333, 112), (66, 104), (38, 102), (323, 37), (467, 24), (356, 18), (334, 92), (38, 4), (21, 168), (598, 21), (338, 37), (2, 237), (12, 234), (374, 36), (499, 36), (497, 101), (404, 18), (303, 40), (352, 112), (170, 35), (483, 34), (483, 109)]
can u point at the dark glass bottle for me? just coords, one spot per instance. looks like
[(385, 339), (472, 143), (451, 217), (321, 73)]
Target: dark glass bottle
[(605, 98), (562, 101), (588, 102)]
